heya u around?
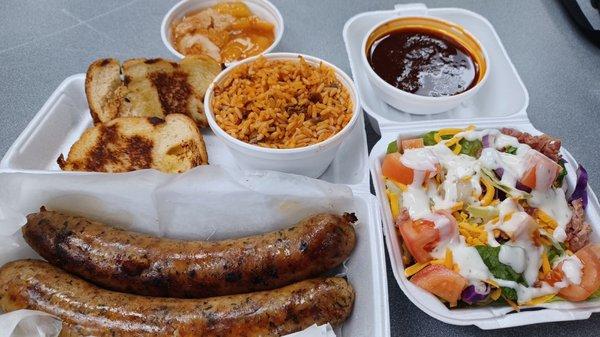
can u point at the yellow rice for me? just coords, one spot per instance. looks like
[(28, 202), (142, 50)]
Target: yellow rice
[(282, 103)]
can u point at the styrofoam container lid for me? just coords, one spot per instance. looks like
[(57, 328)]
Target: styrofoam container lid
[(501, 102)]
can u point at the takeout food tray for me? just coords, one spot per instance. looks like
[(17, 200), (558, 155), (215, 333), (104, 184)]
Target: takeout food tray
[(65, 116), (501, 102), (486, 317), (173, 206)]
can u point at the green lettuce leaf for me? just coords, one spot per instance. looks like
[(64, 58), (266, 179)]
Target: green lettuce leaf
[(471, 147), (429, 140), (510, 150), (392, 147), (489, 255), (563, 173)]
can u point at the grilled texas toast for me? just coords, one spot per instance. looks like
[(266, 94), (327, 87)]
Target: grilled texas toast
[(103, 88), (150, 88), (132, 143)]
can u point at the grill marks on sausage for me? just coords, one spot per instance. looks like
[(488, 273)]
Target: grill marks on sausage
[(162, 267), (89, 310)]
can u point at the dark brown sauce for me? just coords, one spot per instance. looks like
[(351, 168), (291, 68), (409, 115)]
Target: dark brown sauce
[(423, 62)]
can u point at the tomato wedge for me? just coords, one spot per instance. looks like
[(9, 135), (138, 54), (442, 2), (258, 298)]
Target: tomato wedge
[(414, 143), (590, 278), (441, 281), (393, 168), (421, 236), (541, 165)]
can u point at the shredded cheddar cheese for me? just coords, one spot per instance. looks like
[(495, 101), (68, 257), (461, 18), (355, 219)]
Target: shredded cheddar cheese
[(448, 260), (393, 197), (415, 268), (540, 300), (457, 148), (496, 294), (546, 269), (490, 191)]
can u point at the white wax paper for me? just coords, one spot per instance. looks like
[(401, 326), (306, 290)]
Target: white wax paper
[(208, 202), (315, 331)]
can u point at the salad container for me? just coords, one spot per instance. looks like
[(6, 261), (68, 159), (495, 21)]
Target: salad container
[(501, 102)]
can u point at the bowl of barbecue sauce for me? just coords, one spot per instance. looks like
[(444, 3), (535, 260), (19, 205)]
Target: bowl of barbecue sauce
[(423, 65)]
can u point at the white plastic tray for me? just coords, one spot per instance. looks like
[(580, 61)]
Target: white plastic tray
[(365, 268), (64, 117), (501, 102)]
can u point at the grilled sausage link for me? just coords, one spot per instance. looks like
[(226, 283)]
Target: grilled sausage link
[(146, 265), (87, 310)]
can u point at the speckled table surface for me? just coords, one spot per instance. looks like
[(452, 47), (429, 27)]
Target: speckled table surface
[(43, 42)]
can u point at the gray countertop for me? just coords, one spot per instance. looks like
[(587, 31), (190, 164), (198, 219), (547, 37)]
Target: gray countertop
[(43, 42)]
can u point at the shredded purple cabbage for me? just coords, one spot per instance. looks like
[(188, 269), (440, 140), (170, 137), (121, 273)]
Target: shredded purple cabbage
[(485, 140), (499, 172), (580, 191), (522, 187), (476, 293)]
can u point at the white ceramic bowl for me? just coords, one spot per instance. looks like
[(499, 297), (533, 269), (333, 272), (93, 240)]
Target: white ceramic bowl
[(261, 8), (413, 103), (312, 160)]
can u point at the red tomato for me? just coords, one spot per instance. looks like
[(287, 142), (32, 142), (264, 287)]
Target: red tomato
[(414, 143), (420, 237), (393, 168), (441, 281), (539, 163), (590, 278)]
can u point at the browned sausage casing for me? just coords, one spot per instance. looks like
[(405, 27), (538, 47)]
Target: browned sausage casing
[(146, 265), (87, 310)]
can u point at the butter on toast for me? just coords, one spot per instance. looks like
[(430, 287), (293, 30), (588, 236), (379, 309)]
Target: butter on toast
[(150, 88), (171, 145)]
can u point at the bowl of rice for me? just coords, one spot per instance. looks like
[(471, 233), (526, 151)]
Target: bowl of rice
[(283, 111)]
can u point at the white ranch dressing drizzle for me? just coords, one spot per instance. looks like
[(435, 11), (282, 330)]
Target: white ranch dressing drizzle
[(572, 269), (519, 229), (554, 203), (462, 183), (513, 256), (448, 234), (470, 264)]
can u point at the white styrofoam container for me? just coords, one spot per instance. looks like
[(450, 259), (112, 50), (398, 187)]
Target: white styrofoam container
[(264, 9), (310, 160), (64, 117), (503, 96), (365, 268), (500, 103), (489, 317)]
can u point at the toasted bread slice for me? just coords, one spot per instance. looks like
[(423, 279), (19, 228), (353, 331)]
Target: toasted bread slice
[(104, 89), (125, 144), (158, 87)]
